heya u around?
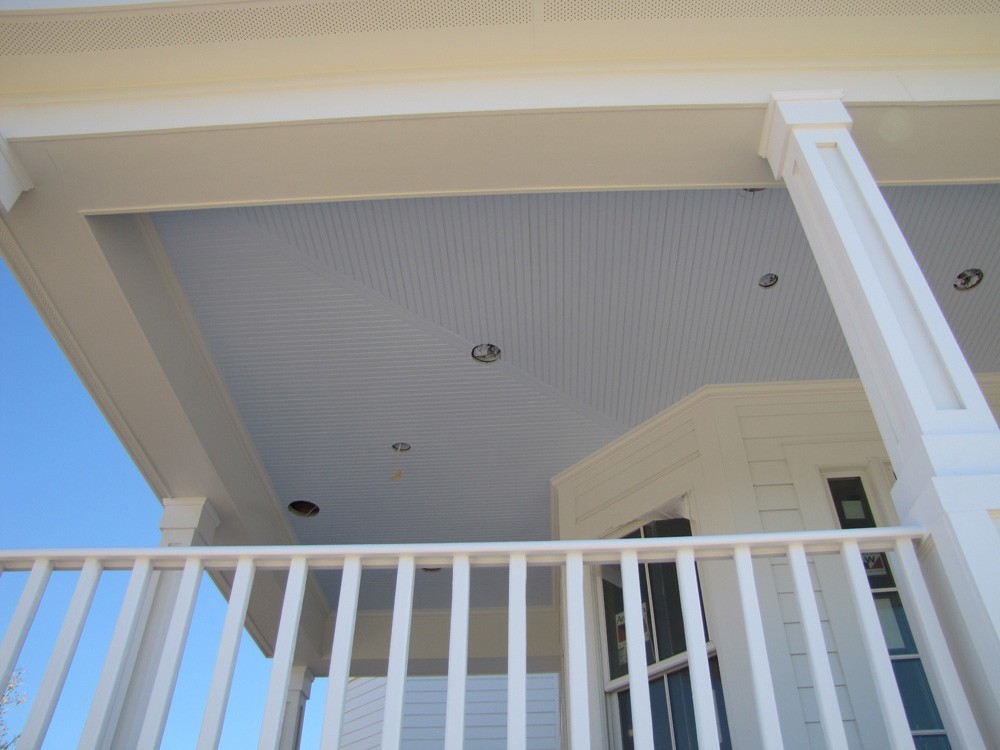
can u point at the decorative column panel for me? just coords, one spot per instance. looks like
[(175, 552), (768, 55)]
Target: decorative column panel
[(186, 522), (299, 688), (936, 425)]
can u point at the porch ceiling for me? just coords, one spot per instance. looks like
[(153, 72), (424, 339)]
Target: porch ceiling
[(342, 328)]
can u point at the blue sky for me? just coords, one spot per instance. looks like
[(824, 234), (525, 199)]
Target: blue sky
[(66, 481)]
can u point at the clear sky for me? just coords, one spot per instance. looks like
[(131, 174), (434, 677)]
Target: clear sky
[(66, 481)]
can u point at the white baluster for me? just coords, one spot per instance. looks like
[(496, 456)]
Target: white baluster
[(155, 719), (873, 640), (44, 703), (123, 639), (225, 660), (819, 662), (935, 655), (705, 720), (517, 654), (457, 655), (760, 670), (576, 655), (635, 644), (24, 615), (284, 651), (399, 649), (340, 653)]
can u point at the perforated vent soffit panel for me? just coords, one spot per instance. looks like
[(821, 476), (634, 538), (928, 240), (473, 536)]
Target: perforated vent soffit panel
[(61, 33)]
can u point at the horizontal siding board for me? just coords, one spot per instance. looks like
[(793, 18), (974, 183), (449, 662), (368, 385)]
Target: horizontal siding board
[(772, 521), (776, 497), (770, 472), (809, 425)]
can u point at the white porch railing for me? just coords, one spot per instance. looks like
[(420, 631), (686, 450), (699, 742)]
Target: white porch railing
[(572, 558)]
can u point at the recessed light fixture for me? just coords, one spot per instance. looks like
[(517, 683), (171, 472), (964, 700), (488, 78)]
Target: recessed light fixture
[(768, 280), (486, 353), (970, 278), (303, 508), (431, 570), (401, 447)]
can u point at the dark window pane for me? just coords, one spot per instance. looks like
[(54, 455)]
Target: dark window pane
[(625, 716), (668, 527), (667, 609), (851, 503), (682, 708), (665, 592), (661, 718), (895, 627), (725, 742), (931, 742), (877, 570), (614, 605), (921, 710)]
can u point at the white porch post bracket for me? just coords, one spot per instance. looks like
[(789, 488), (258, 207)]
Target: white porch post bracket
[(936, 425), (299, 687), (14, 180), (186, 522)]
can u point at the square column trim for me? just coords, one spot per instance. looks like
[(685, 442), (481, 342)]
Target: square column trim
[(810, 109)]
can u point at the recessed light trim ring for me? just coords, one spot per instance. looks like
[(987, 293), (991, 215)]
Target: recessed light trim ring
[(970, 278), (303, 508), (486, 353)]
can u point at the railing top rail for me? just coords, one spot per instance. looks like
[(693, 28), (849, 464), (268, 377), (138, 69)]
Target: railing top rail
[(480, 553)]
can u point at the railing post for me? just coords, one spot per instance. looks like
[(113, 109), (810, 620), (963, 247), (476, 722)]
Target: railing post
[(186, 522)]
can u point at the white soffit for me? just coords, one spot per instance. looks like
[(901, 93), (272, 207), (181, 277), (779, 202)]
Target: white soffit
[(342, 328)]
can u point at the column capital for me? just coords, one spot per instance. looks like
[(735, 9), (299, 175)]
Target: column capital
[(798, 109), (14, 179), (188, 521)]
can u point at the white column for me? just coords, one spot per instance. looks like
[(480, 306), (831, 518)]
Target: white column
[(299, 687), (14, 179), (937, 427), (186, 522)]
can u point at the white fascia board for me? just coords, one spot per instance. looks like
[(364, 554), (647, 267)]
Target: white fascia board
[(486, 91)]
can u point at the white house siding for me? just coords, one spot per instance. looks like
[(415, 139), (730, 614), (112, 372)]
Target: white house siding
[(768, 430), (424, 712), (744, 459)]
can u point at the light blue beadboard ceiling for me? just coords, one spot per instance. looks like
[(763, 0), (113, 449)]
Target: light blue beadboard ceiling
[(342, 328)]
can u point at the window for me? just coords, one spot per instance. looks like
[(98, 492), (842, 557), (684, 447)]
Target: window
[(854, 512), (666, 651)]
